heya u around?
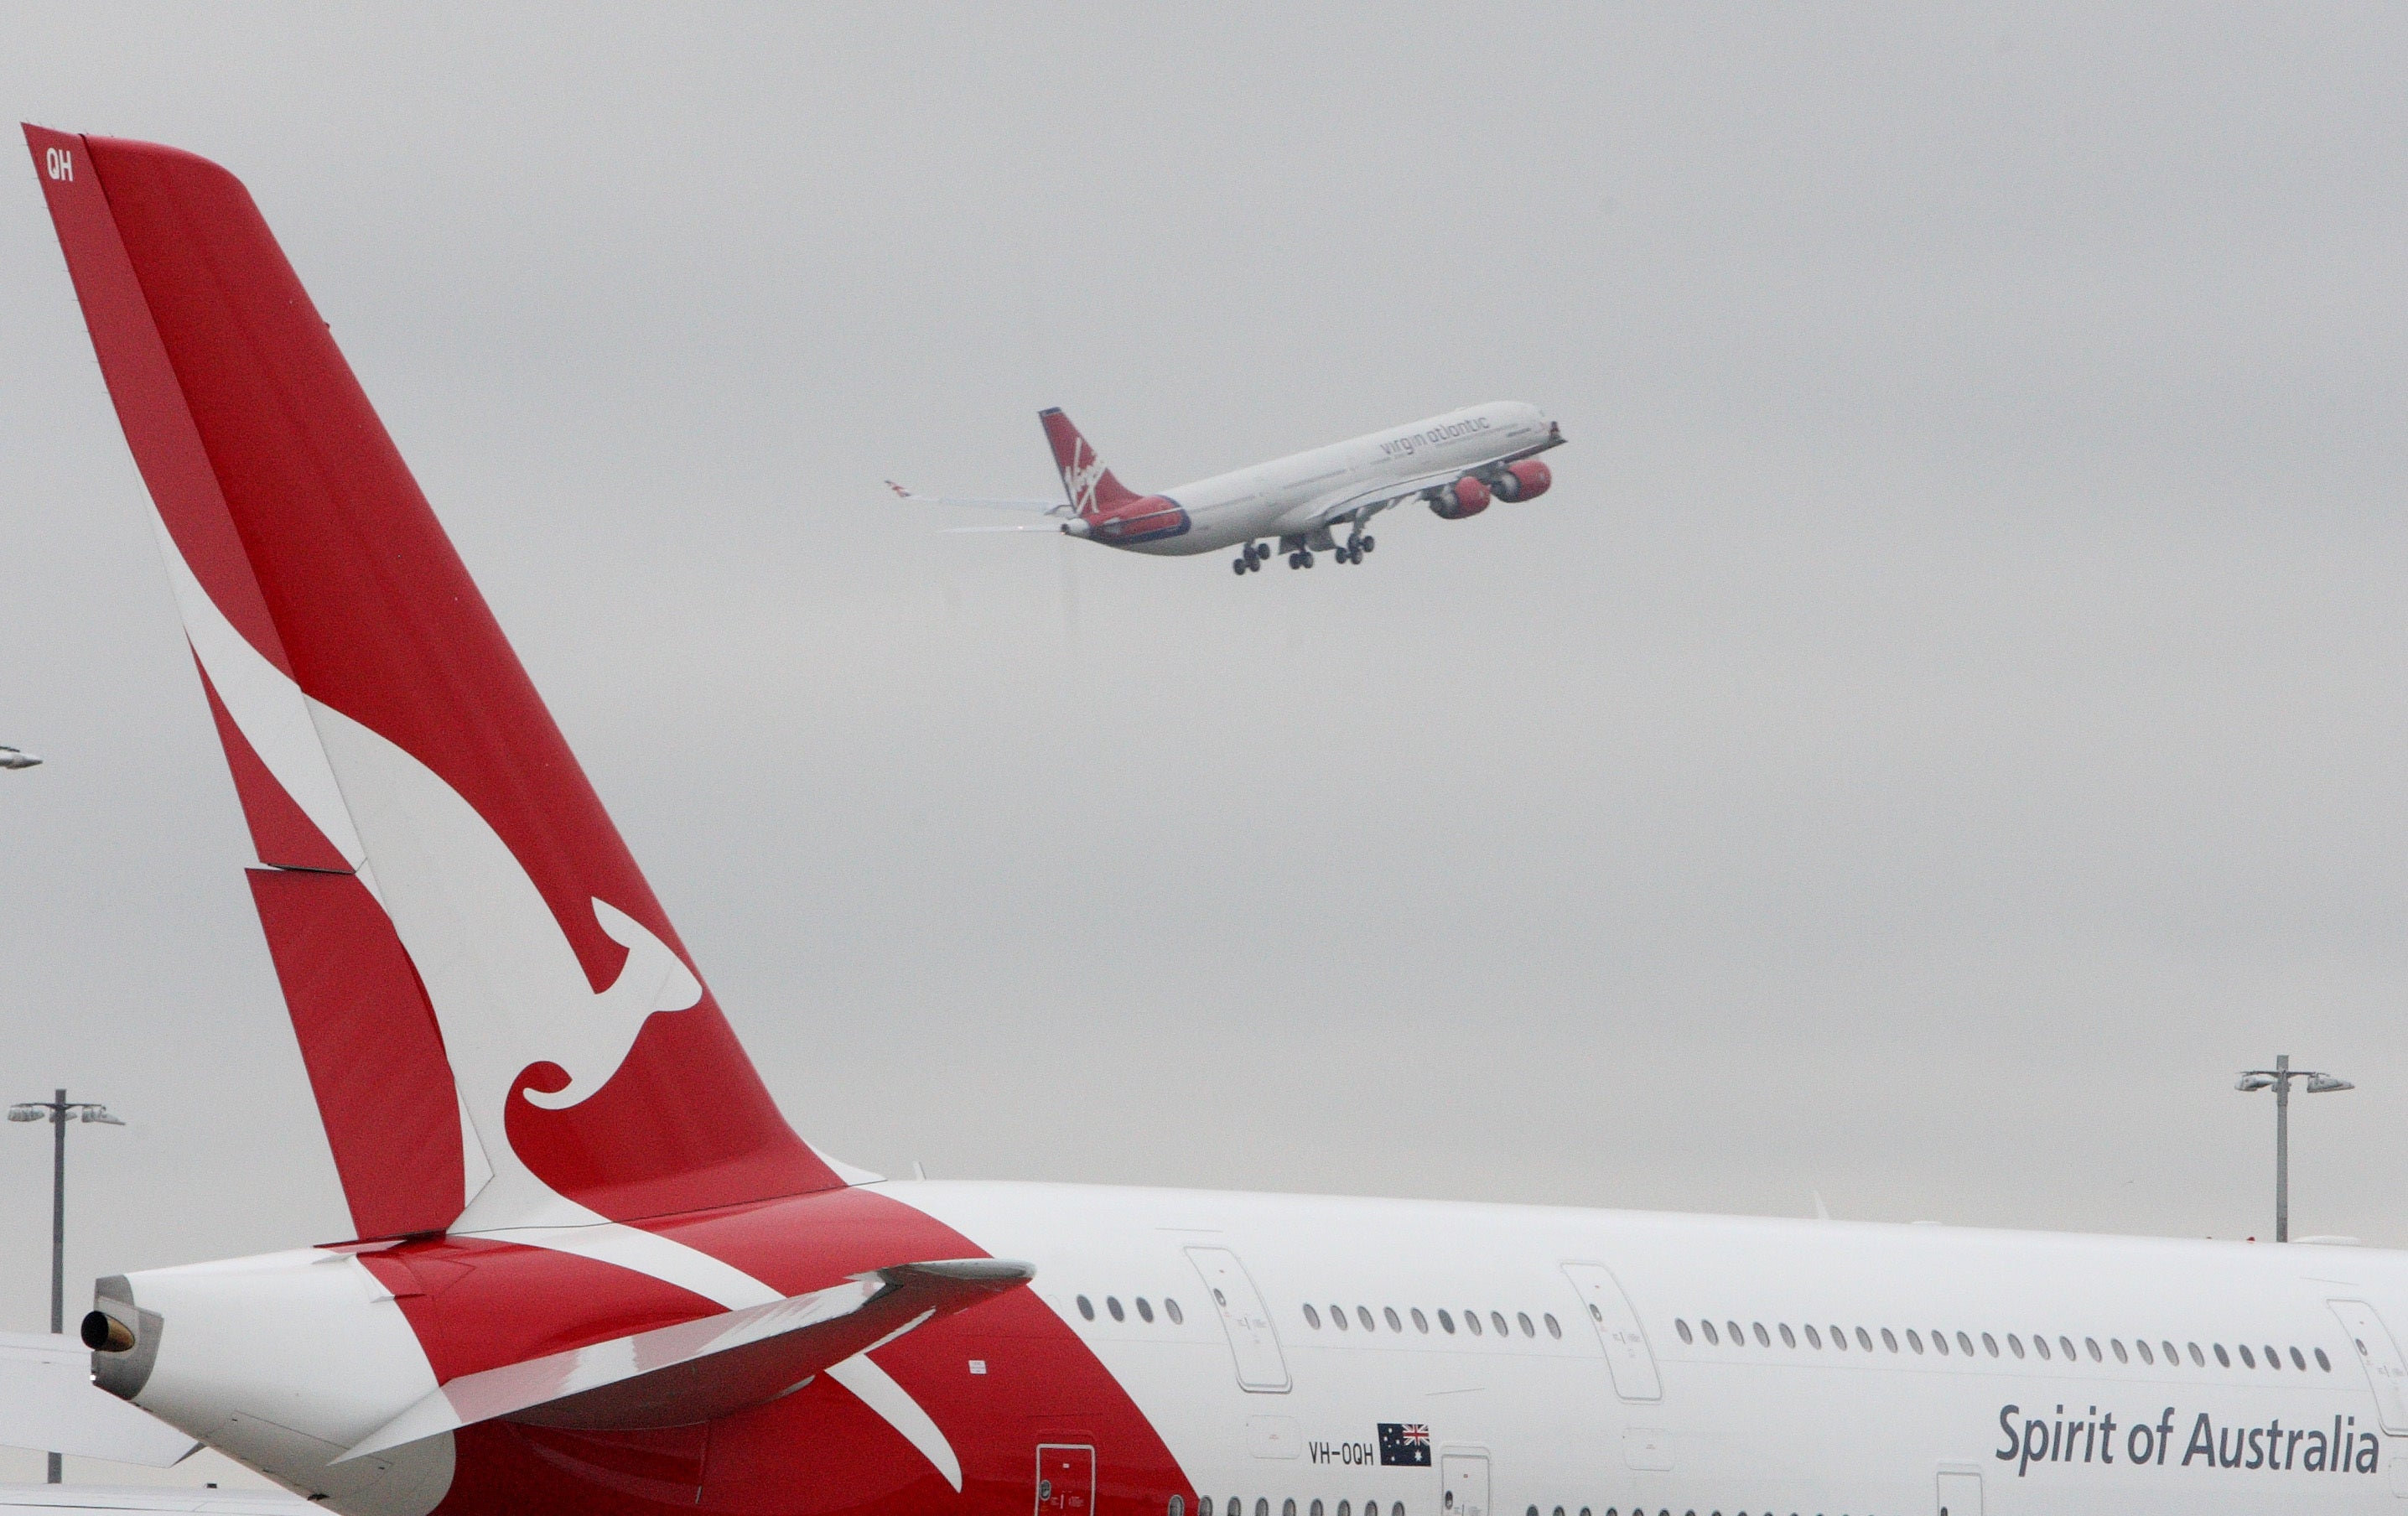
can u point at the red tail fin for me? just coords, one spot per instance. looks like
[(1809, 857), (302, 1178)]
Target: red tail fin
[(381, 727), (1089, 484)]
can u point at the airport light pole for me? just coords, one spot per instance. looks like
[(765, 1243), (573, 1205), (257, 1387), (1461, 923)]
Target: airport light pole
[(2278, 1079), (56, 1110)]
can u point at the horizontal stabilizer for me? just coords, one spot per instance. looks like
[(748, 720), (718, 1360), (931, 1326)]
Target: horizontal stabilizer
[(701, 1370), (48, 1401)]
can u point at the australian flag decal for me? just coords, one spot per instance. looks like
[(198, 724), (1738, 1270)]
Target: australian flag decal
[(1404, 1442)]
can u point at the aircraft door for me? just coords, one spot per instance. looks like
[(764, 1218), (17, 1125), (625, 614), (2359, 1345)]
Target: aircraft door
[(2379, 1355), (1960, 1494), (1463, 1483), (1260, 1366), (1065, 1479), (1617, 1329)]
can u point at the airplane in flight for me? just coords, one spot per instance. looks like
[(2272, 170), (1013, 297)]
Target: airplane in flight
[(1456, 463), (595, 1270)]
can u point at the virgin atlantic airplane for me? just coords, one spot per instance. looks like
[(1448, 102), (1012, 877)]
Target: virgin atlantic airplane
[(568, 1293), (1456, 462)]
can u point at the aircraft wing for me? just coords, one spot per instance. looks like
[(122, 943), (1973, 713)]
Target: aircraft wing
[(1048, 507), (49, 1403), (161, 1497), (1347, 504)]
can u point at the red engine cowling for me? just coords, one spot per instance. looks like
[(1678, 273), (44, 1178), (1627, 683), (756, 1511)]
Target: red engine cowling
[(1525, 480), (1466, 496)]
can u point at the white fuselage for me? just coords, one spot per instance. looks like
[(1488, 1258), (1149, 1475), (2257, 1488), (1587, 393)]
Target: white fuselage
[(1767, 1424), (1621, 1362), (1291, 495)]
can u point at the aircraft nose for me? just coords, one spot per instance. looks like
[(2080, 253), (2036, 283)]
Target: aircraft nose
[(12, 758)]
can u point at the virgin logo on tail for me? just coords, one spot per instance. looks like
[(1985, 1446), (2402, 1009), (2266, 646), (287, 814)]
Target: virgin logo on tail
[(1080, 475)]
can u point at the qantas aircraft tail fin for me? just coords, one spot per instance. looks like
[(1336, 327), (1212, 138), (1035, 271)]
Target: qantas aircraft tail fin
[(499, 1022), (1091, 486)]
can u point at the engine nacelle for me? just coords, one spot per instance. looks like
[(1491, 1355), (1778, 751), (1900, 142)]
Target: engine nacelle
[(1466, 496), (1525, 480)]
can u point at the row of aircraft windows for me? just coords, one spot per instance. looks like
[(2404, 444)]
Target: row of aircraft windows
[(1445, 1321), (1737, 1337), (1145, 1308), (1236, 1507)]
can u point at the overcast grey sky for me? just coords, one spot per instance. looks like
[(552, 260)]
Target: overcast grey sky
[(1945, 721)]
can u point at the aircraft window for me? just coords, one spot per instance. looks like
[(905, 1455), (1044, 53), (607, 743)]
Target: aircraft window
[(2014, 1345), (1144, 1311), (1496, 1320), (1788, 1338), (1421, 1322), (1287, 1508), (1683, 1328), (1940, 1343), (1262, 1505), (1965, 1345), (2039, 1344), (1559, 1510), (1204, 1506), (2248, 1360), (1840, 1337), (2274, 1358), (1864, 1339), (1524, 1317), (2121, 1356), (2223, 1357), (1554, 1328), (1312, 1317), (1086, 1307), (1112, 1304), (1814, 1338), (1989, 1345), (1738, 1339), (1170, 1309), (2322, 1362), (1338, 1317), (1472, 1320), (1913, 1339), (1317, 1509), (2296, 1361), (2067, 1343), (2197, 1357), (1343, 1508), (1370, 1508), (1446, 1325), (2092, 1345), (1889, 1339), (1395, 1324), (1763, 1338), (2147, 1356), (1362, 1314)]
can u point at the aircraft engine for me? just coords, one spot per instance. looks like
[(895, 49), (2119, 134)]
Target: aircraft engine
[(1466, 496), (1525, 480)]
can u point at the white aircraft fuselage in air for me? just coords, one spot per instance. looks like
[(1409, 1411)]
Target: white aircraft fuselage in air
[(1457, 464), (595, 1271)]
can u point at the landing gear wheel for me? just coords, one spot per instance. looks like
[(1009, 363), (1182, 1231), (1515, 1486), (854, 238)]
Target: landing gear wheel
[(1364, 547), (1296, 560), (1239, 566), (1307, 556)]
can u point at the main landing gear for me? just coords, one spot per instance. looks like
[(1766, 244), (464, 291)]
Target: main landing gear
[(1250, 561), (1355, 547)]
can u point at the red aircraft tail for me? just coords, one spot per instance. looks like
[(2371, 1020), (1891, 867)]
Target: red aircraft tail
[(495, 1014), (1091, 486)]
